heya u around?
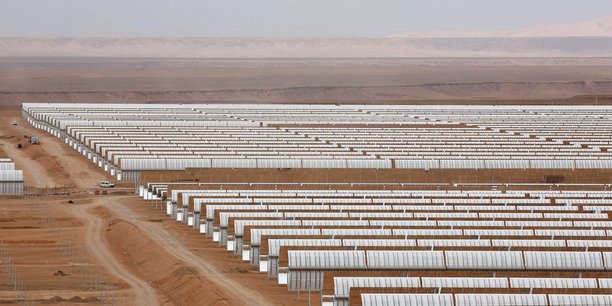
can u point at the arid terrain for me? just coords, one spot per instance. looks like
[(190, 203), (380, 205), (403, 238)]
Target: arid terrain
[(119, 250), (112, 249), (439, 80)]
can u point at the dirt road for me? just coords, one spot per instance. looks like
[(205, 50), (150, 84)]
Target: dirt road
[(144, 294), (50, 164), (98, 215), (35, 174), (210, 270)]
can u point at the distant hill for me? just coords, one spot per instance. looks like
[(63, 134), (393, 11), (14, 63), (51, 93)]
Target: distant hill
[(294, 47), (601, 27)]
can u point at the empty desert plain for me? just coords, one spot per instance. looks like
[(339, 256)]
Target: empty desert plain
[(435, 80)]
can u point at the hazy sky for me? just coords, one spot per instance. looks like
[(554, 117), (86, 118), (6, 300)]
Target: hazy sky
[(283, 18)]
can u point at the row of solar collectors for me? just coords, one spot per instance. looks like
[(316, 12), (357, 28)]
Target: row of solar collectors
[(387, 200), (323, 107), (336, 115), (320, 108), (595, 136), (370, 221), (169, 161), (11, 179), (425, 144), (343, 286), (596, 114), (412, 196), (488, 299), (402, 195), (289, 119), (8, 172), (6, 164), (593, 139), (198, 149), (254, 204), (240, 143), (383, 141), (54, 118), (11, 175), (572, 127), (242, 147), (141, 155), (396, 192), (114, 150), (272, 150), (395, 237), (565, 201), (129, 160), (309, 267)]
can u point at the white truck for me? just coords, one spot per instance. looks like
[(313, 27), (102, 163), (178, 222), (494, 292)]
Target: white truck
[(106, 184)]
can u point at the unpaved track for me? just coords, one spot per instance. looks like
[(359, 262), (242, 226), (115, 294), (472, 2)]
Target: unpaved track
[(76, 170), (144, 294), (35, 174), (207, 269)]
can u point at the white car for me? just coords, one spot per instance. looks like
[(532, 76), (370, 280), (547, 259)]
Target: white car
[(106, 184)]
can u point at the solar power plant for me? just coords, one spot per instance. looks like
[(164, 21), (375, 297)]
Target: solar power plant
[(127, 139), (301, 153), (523, 246), (368, 241)]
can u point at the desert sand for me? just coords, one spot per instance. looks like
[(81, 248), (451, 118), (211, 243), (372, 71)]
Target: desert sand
[(498, 81)]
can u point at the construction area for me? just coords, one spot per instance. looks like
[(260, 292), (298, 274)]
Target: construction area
[(300, 204), (309, 204)]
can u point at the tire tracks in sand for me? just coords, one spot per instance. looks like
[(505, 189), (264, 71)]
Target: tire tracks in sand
[(144, 294), (209, 270)]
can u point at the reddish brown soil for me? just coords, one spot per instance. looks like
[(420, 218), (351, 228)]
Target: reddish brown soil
[(211, 276), (490, 176), (38, 248), (48, 165)]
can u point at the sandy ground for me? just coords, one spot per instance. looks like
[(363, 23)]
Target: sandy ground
[(144, 294), (43, 238), (159, 235), (126, 252), (300, 80), (48, 165), (223, 277), (143, 257)]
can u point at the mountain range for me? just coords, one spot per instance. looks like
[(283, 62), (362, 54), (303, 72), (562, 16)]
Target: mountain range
[(583, 39), (600, 27)]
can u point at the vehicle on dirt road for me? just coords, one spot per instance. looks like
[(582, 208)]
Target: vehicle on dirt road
[(106, 184)]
